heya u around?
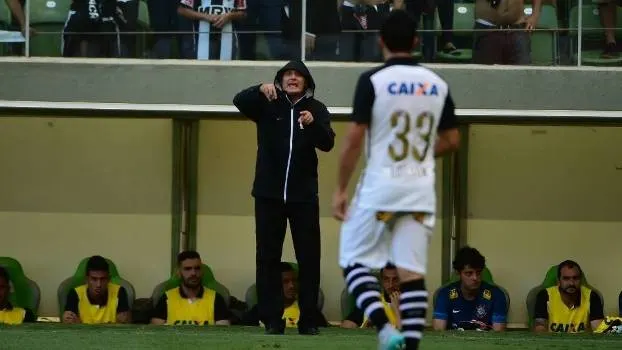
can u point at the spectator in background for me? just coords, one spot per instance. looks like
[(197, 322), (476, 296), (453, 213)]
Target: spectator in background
[(502, 31), (291, 311), (470, 303), (607, 10), (10, 314), (569, 307), (360, 22), (191, 303), (322, 29), (291, 124), (81, 34), (214, 37), (127, 28), (99, 300), (390, 300), (164, 20)]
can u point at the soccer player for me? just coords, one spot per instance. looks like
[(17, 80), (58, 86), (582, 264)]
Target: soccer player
[(213, 26), (98, 301), (11, 314), (408, 115), (469, 303), (568, 307), (390, 298), (191, 303)]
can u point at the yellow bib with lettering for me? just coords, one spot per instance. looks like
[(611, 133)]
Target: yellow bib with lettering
[(14, 316), (564, 319), (97, 314), (291, 315), (182, 311), (388, 310)]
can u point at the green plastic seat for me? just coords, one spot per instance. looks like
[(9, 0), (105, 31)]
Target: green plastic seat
[(25, 292), (208, 281), (550, 280), (79, 278), (593, 36), (251, 293), (544, 38), (464, 19), (48, 17)]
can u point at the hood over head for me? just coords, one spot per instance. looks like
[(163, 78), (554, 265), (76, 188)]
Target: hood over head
[(301, 68)]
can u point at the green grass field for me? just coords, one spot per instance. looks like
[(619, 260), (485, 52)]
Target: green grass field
[(57, 336)]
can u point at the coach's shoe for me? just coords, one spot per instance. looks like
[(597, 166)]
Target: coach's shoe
[(308, 331), (275, 329), (390, 338)]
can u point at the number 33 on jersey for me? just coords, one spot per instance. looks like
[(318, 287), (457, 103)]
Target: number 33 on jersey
[(405, 106)]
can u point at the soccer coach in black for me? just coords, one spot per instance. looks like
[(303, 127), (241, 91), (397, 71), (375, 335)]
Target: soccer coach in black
[(291, 124)]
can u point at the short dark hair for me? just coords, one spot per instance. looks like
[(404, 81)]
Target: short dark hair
[(398, 31), (4, 274), (97, 263), (569, 264), (468, 256), (388, 266), (186, 255), (286, 267)]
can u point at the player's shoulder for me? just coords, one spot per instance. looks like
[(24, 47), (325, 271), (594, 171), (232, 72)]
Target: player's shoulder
[(450, 290)]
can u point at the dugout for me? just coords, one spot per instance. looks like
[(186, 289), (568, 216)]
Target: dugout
[(134, 159)]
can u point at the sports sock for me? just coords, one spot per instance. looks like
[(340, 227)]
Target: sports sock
[(413, 307), (365, 289)]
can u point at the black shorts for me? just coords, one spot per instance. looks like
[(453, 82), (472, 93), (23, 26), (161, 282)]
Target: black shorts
[(83, 38)]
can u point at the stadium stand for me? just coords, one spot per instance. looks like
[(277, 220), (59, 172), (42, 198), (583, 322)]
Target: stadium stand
[(209, 281), (48, 18), (550, 279), (593, 35), (79, 278), (25, 292), (464, 17), (545, 39)]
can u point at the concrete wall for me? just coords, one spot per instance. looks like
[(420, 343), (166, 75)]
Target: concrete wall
[(71, 188), (214, 82)]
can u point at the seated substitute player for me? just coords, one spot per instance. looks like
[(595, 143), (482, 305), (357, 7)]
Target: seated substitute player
[(10, 314), (470, 303), (568, 307), (390, 298), (191, 303), (98, 301), (213, 37), (408, 114), (291, 310)]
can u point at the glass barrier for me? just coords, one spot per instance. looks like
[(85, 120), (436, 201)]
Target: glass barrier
[(562, 32)]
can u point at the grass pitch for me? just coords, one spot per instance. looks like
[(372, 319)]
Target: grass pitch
[(57, 336)]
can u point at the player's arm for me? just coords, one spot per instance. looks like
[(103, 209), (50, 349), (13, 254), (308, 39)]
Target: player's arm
[(441, 311), (221, 311), (541, 315), (499, 311), (186, 9), (160, 313), (71, 313), (323, 134), (354, 319), (596, 310), (448, 135), (364, 96), (124, 314)]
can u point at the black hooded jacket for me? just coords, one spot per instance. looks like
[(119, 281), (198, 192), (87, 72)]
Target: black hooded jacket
[(286, 165)]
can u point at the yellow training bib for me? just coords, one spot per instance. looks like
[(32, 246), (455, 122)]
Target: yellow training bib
[(183, 311), (98, 314), (14, 316), (564, 319)]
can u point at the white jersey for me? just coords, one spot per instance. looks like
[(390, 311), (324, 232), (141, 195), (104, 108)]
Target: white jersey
[(404, 105)]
